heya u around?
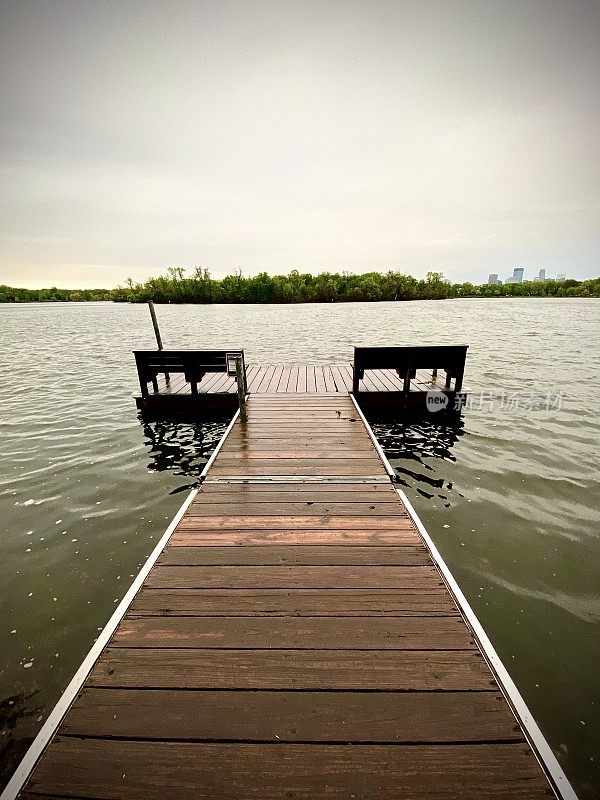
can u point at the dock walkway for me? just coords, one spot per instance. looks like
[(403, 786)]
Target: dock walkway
[(293, 640)]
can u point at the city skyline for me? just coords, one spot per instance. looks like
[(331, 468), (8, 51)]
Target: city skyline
[(518, 276)]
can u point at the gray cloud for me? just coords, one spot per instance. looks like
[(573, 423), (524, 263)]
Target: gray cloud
[(327, 135)]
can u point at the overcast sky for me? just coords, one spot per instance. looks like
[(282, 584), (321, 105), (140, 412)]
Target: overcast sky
[(454, 136)]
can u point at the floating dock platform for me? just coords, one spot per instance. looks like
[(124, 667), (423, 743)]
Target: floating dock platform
[(294, 635), (378, 389)]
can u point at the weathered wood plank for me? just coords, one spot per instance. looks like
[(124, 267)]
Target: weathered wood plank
[(275, 378), (262, 467), (284, 493), (304, 413), (289, 492), (312, 438), (302, 378), (293, 379), (348, 537), (267, 716), (299, 602), (323, 633), (336, 443), (297, 401), (293, 577), (204, 508), (194, 771), (360, 670), (242, 455), (266, 378), (326, 419), (295, 555), (297, 521)]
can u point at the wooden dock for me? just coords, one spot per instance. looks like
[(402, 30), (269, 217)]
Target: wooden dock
[(294, 639), (379, 389)]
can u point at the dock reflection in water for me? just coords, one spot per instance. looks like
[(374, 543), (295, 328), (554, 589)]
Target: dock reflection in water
[(183, 447), (417, 449)]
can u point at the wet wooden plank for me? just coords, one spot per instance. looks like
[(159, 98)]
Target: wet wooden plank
[(330, 439), (290, 467), (192, 771), (284, 379), (298, 602), (269, 444), (360, 670), (285, 633), (268, 716), (289, 492), (294, 577), (396, 382), (210, 379), (266, 376), (252, 375), (292, 385), (320, 385), (342, 425), (383, 382), (348, 537), (305, 507), (300, 522), (294, 399), (306, 427), (275, 378), (302, 377), (222, 384), (241, 456), (298, 555), (364, 492)]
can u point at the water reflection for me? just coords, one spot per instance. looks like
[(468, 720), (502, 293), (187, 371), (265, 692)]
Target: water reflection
[(411, 445), (181, 447), (13, 710)]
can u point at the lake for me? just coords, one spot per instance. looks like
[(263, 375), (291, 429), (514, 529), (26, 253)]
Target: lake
[(510, 494)]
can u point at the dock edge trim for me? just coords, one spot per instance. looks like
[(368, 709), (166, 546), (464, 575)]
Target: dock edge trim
[(537, 741), (58, 713)]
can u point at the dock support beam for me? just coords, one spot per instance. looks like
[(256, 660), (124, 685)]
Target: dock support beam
[(158, 338), (241, 388), (155, 324)]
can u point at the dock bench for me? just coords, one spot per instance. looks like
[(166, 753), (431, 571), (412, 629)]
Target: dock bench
[(406, 360), (194, 364)]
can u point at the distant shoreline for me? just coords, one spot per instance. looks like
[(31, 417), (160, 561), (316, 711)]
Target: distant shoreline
[(200, 288), (298, 302)]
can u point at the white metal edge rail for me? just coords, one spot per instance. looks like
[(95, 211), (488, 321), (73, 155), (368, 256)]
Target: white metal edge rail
[(541, 748), (56, 716), (215, 452)]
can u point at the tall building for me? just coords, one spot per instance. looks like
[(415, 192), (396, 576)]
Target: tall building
[(542, 275), (493, 278), (517, 276)]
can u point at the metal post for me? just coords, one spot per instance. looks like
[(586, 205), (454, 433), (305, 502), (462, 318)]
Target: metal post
[(155, 323), (157, 334), (239, 376)]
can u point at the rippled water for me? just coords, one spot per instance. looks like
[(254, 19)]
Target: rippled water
[(510, 494)]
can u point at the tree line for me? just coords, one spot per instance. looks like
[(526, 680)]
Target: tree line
[(176, 286)]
